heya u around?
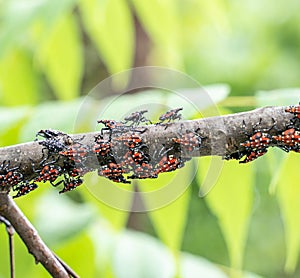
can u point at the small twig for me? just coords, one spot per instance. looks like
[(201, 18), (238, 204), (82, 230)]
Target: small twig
[(10, 231), (30, 237), (71, 272)]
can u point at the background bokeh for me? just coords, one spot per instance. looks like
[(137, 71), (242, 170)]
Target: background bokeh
[(53, 53)]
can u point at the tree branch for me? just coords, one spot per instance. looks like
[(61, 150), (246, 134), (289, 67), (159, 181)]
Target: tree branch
[(30, 237), (222, 136)]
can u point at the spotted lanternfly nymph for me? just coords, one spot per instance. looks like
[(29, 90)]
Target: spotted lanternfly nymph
[(253, 154), (9, 176), (257, 143), (143, 171), (189, 141), (168, 163), (24, 188), (51, 142), (76, 152), (113, 171), (49, 172), (70, 184), (294, 109), (136, 118), (102, 147), (289, 140), (171, 115)]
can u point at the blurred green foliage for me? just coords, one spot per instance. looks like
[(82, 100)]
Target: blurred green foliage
[(53, 52)]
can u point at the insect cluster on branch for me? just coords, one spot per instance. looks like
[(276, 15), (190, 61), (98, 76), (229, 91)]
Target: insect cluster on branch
[(260, 139), (122, 153), (121, 156)]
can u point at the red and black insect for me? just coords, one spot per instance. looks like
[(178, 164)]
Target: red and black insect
[(136, 118), (9, 176), (111, 126), (288, 140), (50, 172), (253, 154), (24, 188), (143, 171), (235, 155), (258, 142), (73, 169), (168, 163), (77, 152), (70, 184), (171, 115), (102, 147), (131, 141), (294, 109), (113, 171), (189, 141), (259, 138), (135, 157)]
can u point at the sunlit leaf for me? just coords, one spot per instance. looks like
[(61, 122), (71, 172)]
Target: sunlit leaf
[(79, 254), (13, 119), (57, 227), (276, 159), (172, 217), (231, 201), (105, 240), (137, 254), (112, 200), (194, 267), (164, 32), (60, 56), (18, 80), (54, 115), (280, 97), (288, 193), (110, 26), (17, 17)]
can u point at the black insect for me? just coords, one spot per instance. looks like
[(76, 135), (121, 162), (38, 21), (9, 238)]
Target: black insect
[(70, 184), (171, 115), (49, 172), (24, 188), (9, 176), (136, 118), (258, 142), (52, 140), (189, 141)]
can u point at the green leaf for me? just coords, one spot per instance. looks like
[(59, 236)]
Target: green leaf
[(72, 218), (167, 200), (18, 80), (231, 201), (59, 115), (110, 26), (288, 194), (17, 17), (60, 56), (112, 200), (170, 220), (162, 27), (194, 267), (79, 254), (276, 159), (13, 119), (136, 255), (286, 96)]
